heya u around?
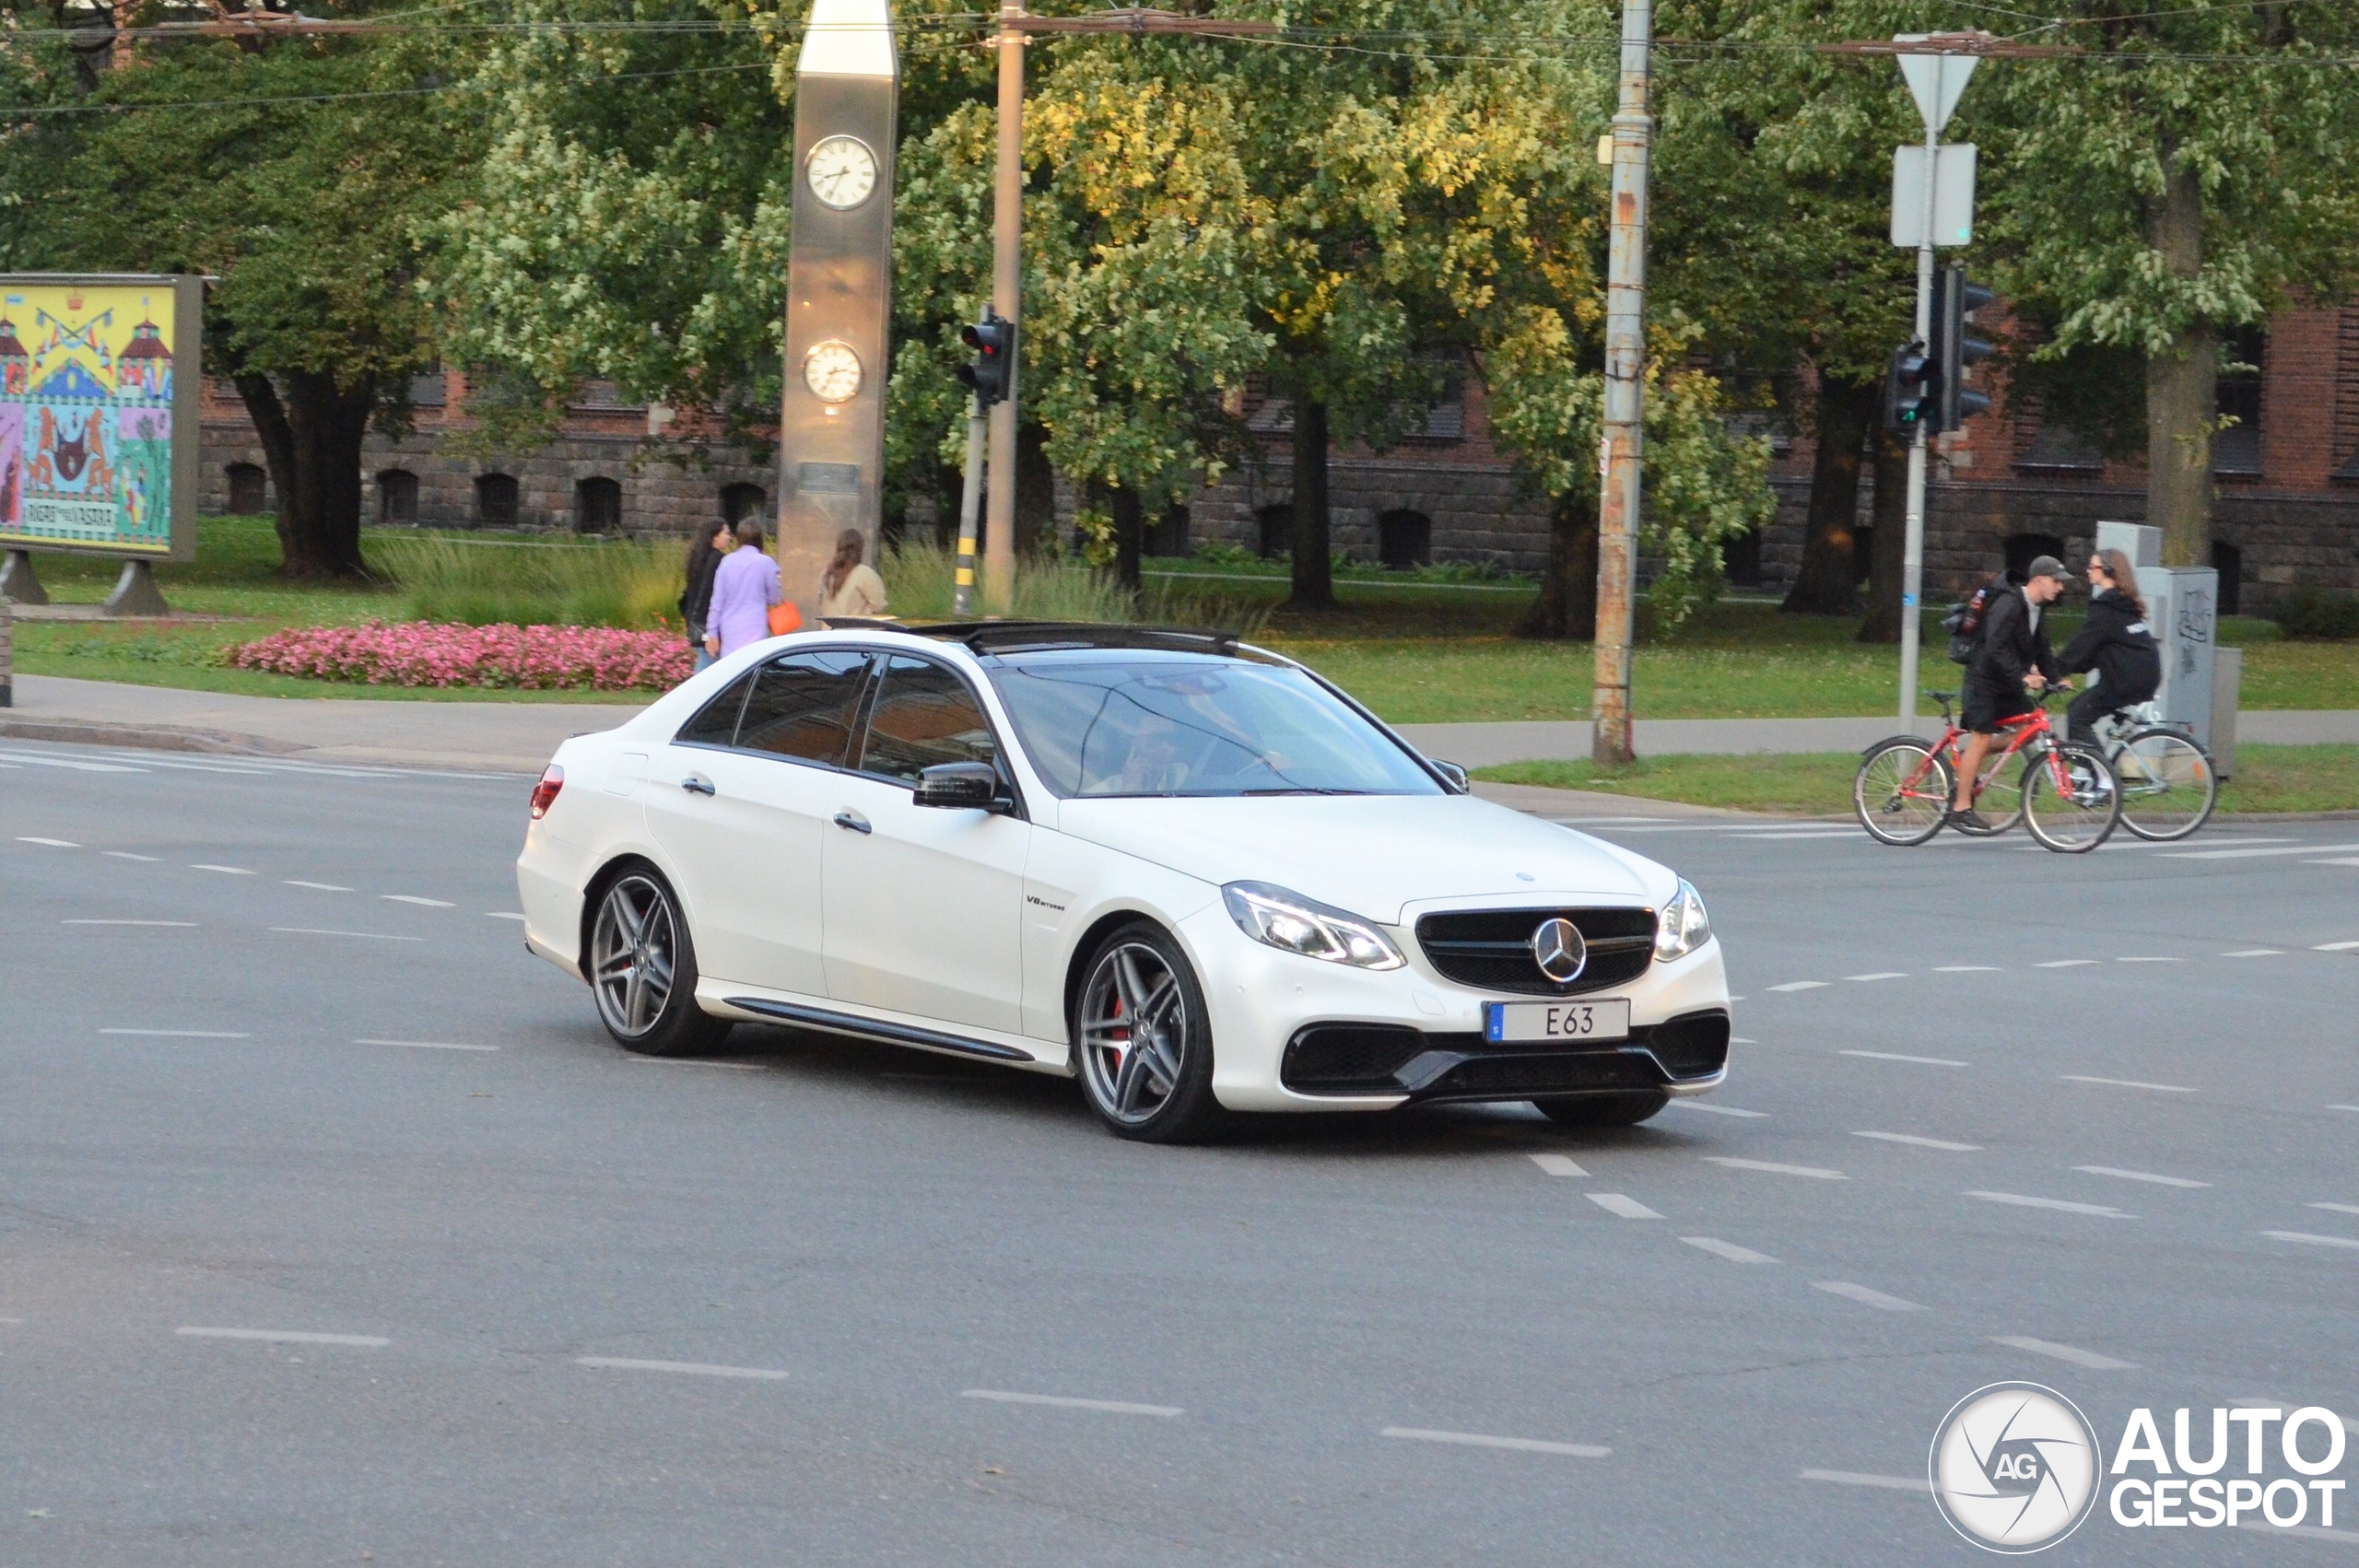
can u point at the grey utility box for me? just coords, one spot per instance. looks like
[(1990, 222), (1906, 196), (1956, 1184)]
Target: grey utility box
[(2182, 611)]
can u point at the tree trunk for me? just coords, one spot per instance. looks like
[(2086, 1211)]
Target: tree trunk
[(1036, 490), (311, 432), (2182, 390), (1890, 545), (1828, 583), (1130, 532), (1314, 577), (1566, 607)]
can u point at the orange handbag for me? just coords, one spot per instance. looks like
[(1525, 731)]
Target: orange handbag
[(785, 618)]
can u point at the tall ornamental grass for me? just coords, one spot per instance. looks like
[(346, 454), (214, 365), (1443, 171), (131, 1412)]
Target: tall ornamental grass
[(627, 584), (919, 576)]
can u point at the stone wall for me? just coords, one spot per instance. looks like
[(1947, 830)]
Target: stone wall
[(1478, 512)]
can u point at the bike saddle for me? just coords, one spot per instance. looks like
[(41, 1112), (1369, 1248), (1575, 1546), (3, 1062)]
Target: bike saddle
[(1943, 697)]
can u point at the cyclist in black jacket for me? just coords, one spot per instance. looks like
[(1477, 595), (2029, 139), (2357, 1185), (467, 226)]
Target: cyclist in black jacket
[(2012, 661), (2116, 643)]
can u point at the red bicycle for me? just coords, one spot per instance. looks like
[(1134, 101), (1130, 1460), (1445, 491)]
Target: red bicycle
[(2065, 793)]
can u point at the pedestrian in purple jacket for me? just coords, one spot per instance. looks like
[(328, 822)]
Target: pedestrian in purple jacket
[(743, 588)]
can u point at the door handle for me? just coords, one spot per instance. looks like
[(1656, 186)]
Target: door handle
[(854, 821), (696, 786)]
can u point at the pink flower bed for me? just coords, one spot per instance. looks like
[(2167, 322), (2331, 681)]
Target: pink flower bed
[(423, 653)]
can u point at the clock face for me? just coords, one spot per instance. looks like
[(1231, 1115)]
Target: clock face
[(832, 371), (842, 171)]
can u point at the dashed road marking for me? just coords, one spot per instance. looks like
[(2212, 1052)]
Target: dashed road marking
[(427, 1045), (2144, 959), (2256, 953), (1801, 986), (127, 855), (1896, 1056), (1727, 1249), (2065, 963), (414, 898), (1478, 1440), (1618, 1203), (183, 925), (2138, 1175), (692, 1368), (2063, 1205), (2335, 947), (1865, 1296), (2256, 854), (1718, 1110), (2128, 1083), (502, 915), (2337, 1208), (314, 930), (1774, 1168), (52, 843), (1880, 975), (1558, 1165), (288, 1337), (1915, 1141), (316, 886), (185, 1034), (225, 870), (2343, 1107), (2072, 1354), (693, 1062), (2337, 861), (1114, 1407), (1963, 969), (2309, 1240), (1859, 1478)]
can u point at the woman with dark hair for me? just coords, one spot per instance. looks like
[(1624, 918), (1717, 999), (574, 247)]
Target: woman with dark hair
[(2115, 642), (849, 586), (705, 552)]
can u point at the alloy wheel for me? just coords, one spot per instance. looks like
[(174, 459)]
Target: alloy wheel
[(634, 955), (1134, 1032)]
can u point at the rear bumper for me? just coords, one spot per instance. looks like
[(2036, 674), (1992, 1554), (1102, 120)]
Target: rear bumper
[(1685, 1055)]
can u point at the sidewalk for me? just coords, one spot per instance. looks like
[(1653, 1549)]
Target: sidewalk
[(517, 737)]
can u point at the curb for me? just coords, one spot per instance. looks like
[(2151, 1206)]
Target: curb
[(88, 732)]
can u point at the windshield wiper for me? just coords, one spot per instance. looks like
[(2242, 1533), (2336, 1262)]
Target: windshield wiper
[(1303, 790)]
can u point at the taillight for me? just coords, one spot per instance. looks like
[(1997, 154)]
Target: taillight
[(544, 792)]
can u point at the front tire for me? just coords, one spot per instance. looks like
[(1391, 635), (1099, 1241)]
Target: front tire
[(1142, 1040), (1605, 1110), (2074, 815), (643, 970)]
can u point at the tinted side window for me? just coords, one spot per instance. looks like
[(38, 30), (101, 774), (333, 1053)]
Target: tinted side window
[(924, 714), (716, 722), (802, 706)]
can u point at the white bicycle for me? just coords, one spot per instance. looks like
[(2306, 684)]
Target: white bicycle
[(2168, 781)]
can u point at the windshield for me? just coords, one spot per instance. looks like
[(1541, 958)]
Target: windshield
[(1138, 724)]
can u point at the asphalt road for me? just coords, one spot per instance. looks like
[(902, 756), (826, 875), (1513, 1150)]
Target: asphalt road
[(273, 1064)]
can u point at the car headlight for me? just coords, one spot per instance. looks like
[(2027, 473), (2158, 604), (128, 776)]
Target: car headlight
[(1684, 926), (1296, 924)]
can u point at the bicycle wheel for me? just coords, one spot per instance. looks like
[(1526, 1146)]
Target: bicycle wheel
[(1900, 791), (2169, 785), (2071, 799)]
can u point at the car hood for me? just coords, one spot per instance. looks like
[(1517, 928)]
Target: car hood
[(1371, 855)]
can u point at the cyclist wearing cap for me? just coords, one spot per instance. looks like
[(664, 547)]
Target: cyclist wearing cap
[(2012, 661)]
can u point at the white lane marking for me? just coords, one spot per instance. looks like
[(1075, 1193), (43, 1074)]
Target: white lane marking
[(2128, 1083), (1557, 1165), (1727, 1249), (2343, 1107), (1739, 1039), (1881, 975), (1477, 1439), (692, 1062), (1801, 986), (1754, 837), (183, 925), (2102, 1211), (1911, 1139), (427, 1045), (2335, 861), (79, 767), (2065, 963), (2072, 1354), (1896, 1056), (127, 855), (2256, 953), (317, 886), (1115, 1407), (2306, 1237), (2252, 1401), (2138, 1175), (1628, 1208), (2335, 946), (2149, 961), (1717, 1110), (414, 898), (692, 1368), (314, 930), (225, 870), (2255, 854), (286, 1336), (52, 843), (1774, 1168), (1859, 1478), (1965, 969), (501, 915), (2338, 1207), (185, 1034), (1865, 1296)]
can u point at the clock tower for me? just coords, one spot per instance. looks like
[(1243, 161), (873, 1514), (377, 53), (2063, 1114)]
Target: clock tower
[(839, 281)]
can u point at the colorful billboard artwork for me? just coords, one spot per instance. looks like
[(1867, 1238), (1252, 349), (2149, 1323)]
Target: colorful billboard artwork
[(87, 387)]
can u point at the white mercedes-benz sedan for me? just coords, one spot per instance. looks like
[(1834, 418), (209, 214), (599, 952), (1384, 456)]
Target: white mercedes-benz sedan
[(1189, 872)]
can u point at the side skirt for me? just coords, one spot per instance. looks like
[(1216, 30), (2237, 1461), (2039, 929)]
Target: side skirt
[(876, 1029)]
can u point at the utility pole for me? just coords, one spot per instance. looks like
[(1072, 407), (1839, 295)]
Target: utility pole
[(1912, 549), (970, 495), (1625, 372)]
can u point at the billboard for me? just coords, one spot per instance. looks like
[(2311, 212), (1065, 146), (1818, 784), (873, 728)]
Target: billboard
[(98, 376)]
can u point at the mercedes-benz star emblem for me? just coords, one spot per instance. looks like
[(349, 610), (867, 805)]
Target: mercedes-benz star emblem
[(1557, 948)]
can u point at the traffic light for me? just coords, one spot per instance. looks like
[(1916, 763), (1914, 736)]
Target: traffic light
[(993, 341), (1909, 396), (1954, 350)]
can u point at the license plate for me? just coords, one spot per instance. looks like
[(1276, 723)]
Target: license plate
[(1512, 1023)]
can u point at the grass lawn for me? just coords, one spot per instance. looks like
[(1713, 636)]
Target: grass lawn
[(2268, 779)]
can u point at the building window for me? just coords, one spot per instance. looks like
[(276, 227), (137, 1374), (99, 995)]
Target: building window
[(1404, 539), (2229, 562), (248, 489), (2022, 549), (739, 502), (1170, 534), (496, 501), (1740, 559), (598, 505), (397, 498), (1276, 530), (2236, 450)]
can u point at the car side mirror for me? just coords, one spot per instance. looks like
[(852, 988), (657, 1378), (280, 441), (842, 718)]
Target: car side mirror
[(961, 785), (1454, 775)]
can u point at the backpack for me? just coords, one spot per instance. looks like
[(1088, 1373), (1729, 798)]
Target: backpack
[(1964, 623)]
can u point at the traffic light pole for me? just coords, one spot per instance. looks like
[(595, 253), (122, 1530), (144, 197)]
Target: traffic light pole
[(1626, 371), (1912, 559), (962, 594), (1007, 289)]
